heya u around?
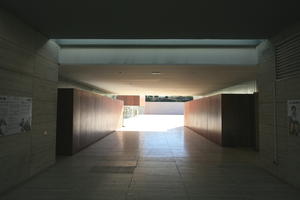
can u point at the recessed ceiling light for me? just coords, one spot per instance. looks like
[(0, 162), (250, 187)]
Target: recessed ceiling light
[(155, 73)]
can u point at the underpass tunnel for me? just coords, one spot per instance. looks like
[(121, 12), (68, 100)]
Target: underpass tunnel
[(142, 101)]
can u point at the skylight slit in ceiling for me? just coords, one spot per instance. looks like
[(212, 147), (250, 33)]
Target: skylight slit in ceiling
[(156, 42)]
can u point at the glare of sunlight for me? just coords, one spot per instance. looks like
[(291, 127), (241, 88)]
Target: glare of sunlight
[(153, 123)]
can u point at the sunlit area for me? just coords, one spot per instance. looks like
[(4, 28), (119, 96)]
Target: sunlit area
[(153, 123)]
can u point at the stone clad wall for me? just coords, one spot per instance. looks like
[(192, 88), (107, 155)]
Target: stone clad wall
[(28, 68), (279, 152)]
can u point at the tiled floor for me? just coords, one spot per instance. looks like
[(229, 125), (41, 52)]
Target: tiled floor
[(174, 163)]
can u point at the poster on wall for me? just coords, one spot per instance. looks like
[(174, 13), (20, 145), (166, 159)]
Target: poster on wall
[(294, 117), (15, 115)]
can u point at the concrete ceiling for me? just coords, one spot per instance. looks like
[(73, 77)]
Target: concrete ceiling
[(167, 19), (156, 19), (158, 70), (172, 80)]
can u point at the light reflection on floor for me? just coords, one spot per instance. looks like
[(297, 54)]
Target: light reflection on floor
[(169, 162), (153, 123)]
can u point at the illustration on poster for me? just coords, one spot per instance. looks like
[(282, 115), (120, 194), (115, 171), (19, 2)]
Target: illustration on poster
[(3, 127), (15, 115), (293, 118), (25, 125)]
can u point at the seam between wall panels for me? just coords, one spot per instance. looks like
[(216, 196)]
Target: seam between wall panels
[(275, 132), (275, 135), (33, 99)]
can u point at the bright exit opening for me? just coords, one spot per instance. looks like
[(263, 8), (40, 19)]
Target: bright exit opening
[(153, 113)]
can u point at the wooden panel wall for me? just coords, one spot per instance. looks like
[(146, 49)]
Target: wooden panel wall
[(84, 118), (64, 122), (204, 117), (238, 120), (132, 100), (214, 119), (226, 119)]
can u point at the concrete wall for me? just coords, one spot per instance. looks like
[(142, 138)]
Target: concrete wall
[(28, 67), (164, 108), (248, 87), (279, 152), (68, 83)]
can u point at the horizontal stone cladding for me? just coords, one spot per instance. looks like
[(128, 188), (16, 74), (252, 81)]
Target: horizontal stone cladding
[(28, 68), (287, 148)]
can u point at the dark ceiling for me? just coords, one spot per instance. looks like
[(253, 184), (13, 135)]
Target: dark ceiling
[(198, 19)]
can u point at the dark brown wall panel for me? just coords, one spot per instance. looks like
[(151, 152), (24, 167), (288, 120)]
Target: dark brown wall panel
[(226, 119), (214, 119), (238, 120), (204, 117), (64, 125), (132, 100), (84, 118)]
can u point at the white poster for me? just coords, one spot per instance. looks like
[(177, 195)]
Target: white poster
[(294, 117), (15, 115)]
